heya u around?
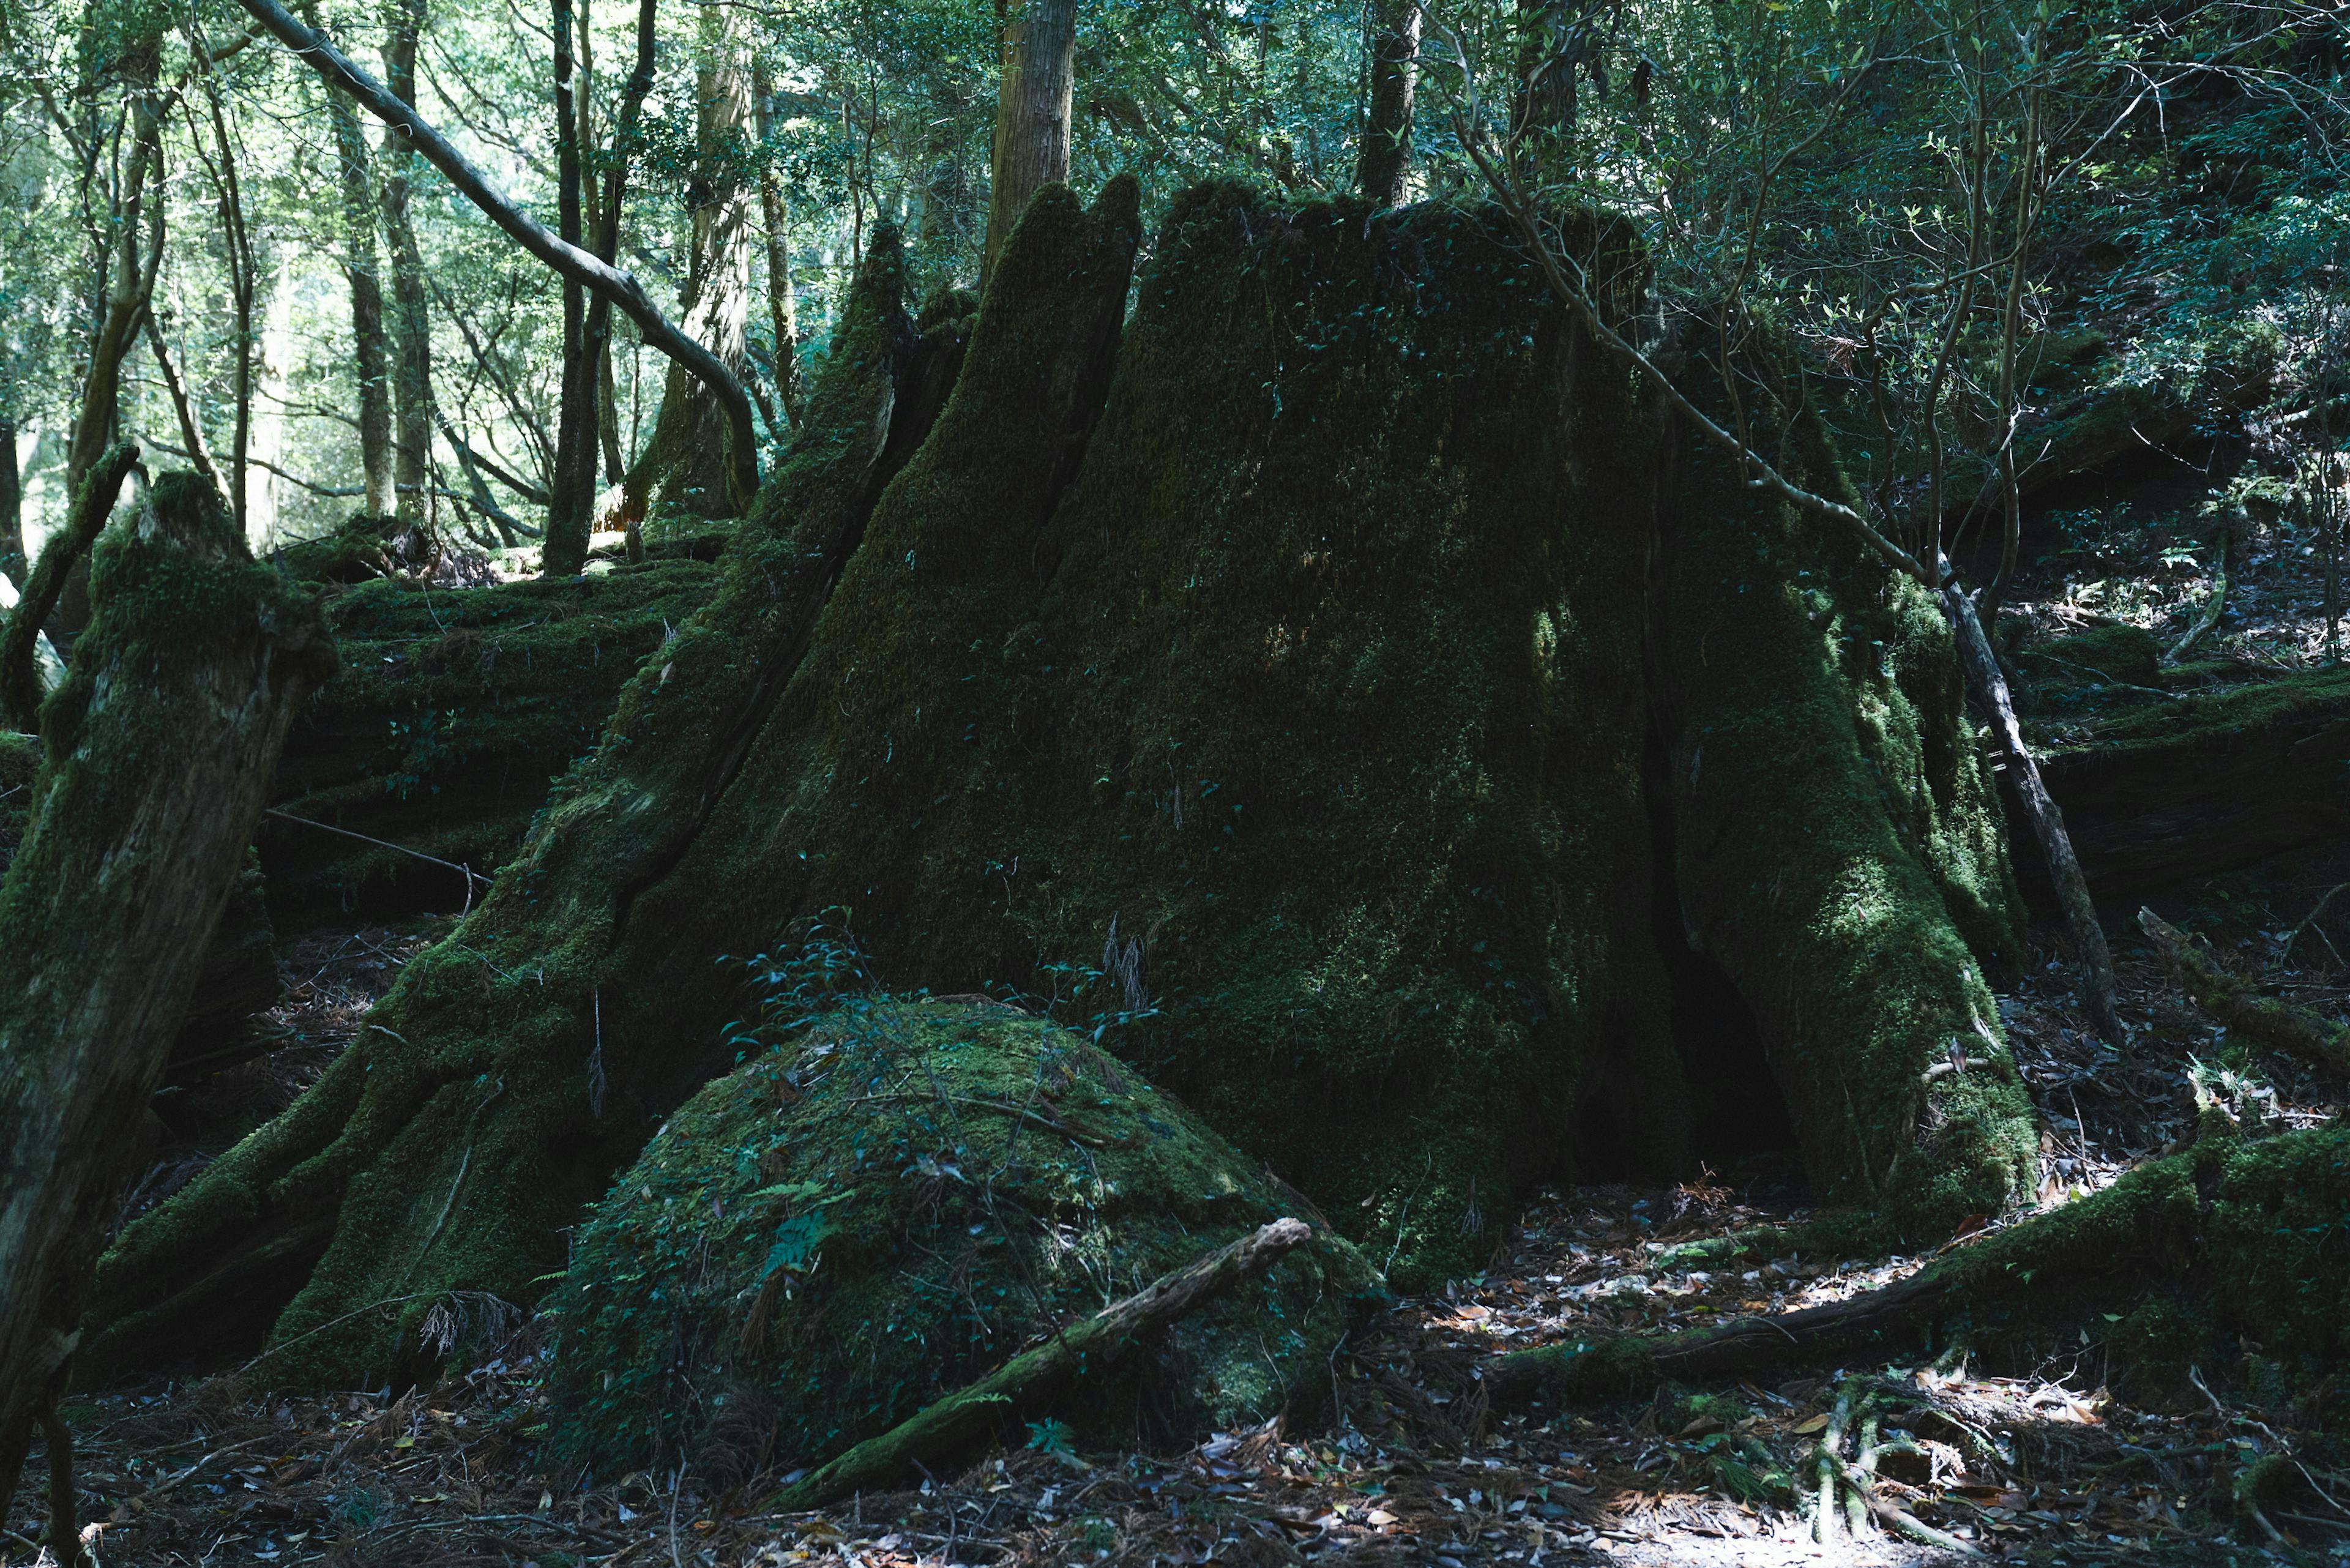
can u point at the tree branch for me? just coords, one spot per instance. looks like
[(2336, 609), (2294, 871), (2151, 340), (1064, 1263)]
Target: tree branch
[(569, 260)]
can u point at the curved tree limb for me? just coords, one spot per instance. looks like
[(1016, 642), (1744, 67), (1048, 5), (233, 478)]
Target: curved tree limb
[(600, 277), (20, 687)]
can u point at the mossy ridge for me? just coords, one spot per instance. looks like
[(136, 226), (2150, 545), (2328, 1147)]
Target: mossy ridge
[(454, 711), (852, 1225), (1398, 861), (1842, 852), (502, 1017)]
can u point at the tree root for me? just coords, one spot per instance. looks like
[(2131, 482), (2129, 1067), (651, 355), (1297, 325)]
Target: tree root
[(1082, 1347), (2234, 1002), (2209, 1218)]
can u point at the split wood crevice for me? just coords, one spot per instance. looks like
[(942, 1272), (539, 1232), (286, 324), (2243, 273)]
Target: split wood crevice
[(157, 755)]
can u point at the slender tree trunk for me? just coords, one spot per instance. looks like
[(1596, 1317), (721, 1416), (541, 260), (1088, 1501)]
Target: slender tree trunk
[(412, 325), (147, 801), (686, 457), (608, 398), (244, 280), (12, 507), (370, 353), (1385, 155), (781, 310), (128, 274), (573, 486), (184, 408), (1031, 116), (1990, 686)]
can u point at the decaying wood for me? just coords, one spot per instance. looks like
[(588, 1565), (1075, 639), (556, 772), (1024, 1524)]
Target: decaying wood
[(163, 739), (1098, 1341), (20, 681), (2236, 1003)]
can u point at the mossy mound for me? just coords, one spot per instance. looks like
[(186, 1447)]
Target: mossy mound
[(454, 711), (847, 1227)]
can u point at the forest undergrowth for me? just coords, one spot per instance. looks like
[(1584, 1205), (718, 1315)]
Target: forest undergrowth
[(2040, 1459)]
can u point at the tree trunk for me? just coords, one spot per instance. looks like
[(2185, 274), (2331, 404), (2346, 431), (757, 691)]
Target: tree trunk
[(13, 564), (244, 281), (126, 280), (608, 235), (1112, 647), (685, 461), (783, 310), (1385, 158), (412, 322), (1990, 686), (1031, 117), (183, 409), (573, 487), (195, 662), (368, 348)]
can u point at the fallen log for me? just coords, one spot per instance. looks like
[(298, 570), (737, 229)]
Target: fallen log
[(157, 752), (2237, 1003), (2239, 1224), (1098, 1341)]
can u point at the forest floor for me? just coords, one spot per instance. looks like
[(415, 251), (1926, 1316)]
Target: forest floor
[(2042, 1464)]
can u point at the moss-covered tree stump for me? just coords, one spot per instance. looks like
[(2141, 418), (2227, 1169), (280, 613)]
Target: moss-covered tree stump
[(847, 1228), (1339, 671)]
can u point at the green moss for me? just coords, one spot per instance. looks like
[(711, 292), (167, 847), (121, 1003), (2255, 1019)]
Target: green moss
[(1842, 854), (450, 1144), (845, 1229), (454, 711), (2208, 721)]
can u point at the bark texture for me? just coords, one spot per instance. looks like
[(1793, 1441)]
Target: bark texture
[(684, 462), (1385, 158), (370, 348), (157, 750), (412, 325), (1031, 116)]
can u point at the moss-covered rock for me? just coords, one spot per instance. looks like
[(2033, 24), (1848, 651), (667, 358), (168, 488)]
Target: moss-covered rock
[(845, 1228), (454, 711)]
